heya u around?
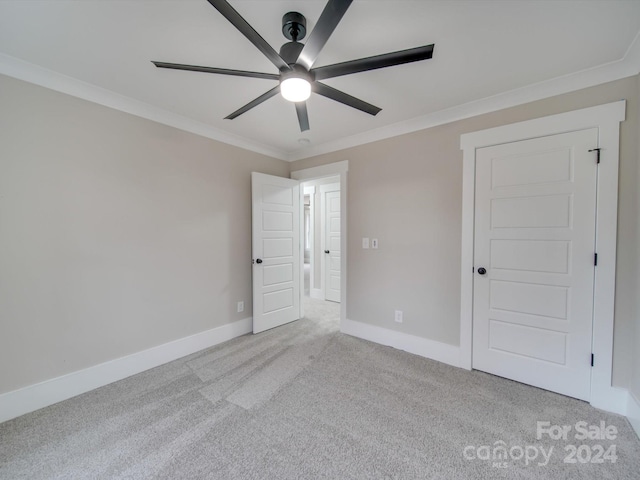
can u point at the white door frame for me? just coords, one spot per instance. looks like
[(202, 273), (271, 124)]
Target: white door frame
[(324, 189), (311, 191), (331, 170), (607, 119)]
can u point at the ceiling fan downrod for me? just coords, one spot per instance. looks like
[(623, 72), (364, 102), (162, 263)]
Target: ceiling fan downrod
[(294, 28), (297, 76)]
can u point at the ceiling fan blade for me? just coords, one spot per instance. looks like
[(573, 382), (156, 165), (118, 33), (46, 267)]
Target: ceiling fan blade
[(371, 63), (254, 103), (247, 30), (329, 19), (338, 96), (222, 71), (303, 116)]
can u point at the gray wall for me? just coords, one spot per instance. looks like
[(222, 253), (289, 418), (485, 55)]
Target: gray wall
[(117, 234), (406, 191)]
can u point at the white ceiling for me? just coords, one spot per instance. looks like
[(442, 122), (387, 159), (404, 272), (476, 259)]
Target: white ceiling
[(483, 48)]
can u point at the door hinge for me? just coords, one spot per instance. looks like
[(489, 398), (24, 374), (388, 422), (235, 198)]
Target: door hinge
[(595, 259), (593, 359), (597, 150)]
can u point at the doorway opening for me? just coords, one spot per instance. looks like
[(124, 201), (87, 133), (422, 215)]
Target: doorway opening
[(323, 238)]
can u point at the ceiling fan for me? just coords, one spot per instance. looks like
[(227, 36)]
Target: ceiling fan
[(297, 78)]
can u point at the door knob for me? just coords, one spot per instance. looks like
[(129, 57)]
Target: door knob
[(326, 251), (482, 270), (259, 260)]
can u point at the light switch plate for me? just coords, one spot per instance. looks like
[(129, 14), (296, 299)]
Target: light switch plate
[(365, 242), (374, 243)]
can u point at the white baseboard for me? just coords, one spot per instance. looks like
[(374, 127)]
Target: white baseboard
[(442, 352), (633, 413), (317, 293), (27, 399), (610, 399)]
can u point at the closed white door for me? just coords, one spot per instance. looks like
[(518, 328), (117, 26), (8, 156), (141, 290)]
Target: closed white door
[(276, 251), (332, 245), (534, 261)]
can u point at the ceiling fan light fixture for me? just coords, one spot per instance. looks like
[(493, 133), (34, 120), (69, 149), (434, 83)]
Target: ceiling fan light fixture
[(295, 89), (297, 75)]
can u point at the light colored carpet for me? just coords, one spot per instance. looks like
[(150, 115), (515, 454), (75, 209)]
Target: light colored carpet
[(304, 401)]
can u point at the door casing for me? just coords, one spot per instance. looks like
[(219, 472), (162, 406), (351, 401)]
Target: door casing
[(330, 170), (606, 118)]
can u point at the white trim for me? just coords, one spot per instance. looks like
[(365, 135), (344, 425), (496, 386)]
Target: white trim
[(602, 393), (322, 241), (331, 187), (27, 399), (301, 250), (609, 398), (633, 412), (628, 66), (466, 260), (330, 170), (311, 191), (16, 68), (441, 352), (551, 125), (632, 55), (607, 119)]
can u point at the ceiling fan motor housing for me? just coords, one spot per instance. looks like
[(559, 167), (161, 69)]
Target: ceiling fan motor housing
[(294, 26), (297, 71), (297, 75), (290, 52)]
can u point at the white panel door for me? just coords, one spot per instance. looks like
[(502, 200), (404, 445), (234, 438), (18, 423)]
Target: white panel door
[(276, 251), (332, 246), (534, 261)]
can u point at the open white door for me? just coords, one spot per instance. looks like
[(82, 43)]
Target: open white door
[(331, 243), (276, 251)]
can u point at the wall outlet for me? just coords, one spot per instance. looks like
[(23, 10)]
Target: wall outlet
[(398, 316), (365, 242), (374, 243), (240, 306)]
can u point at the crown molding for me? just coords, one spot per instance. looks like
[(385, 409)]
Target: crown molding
[(632, 55), (29, 72), (628, 66)]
